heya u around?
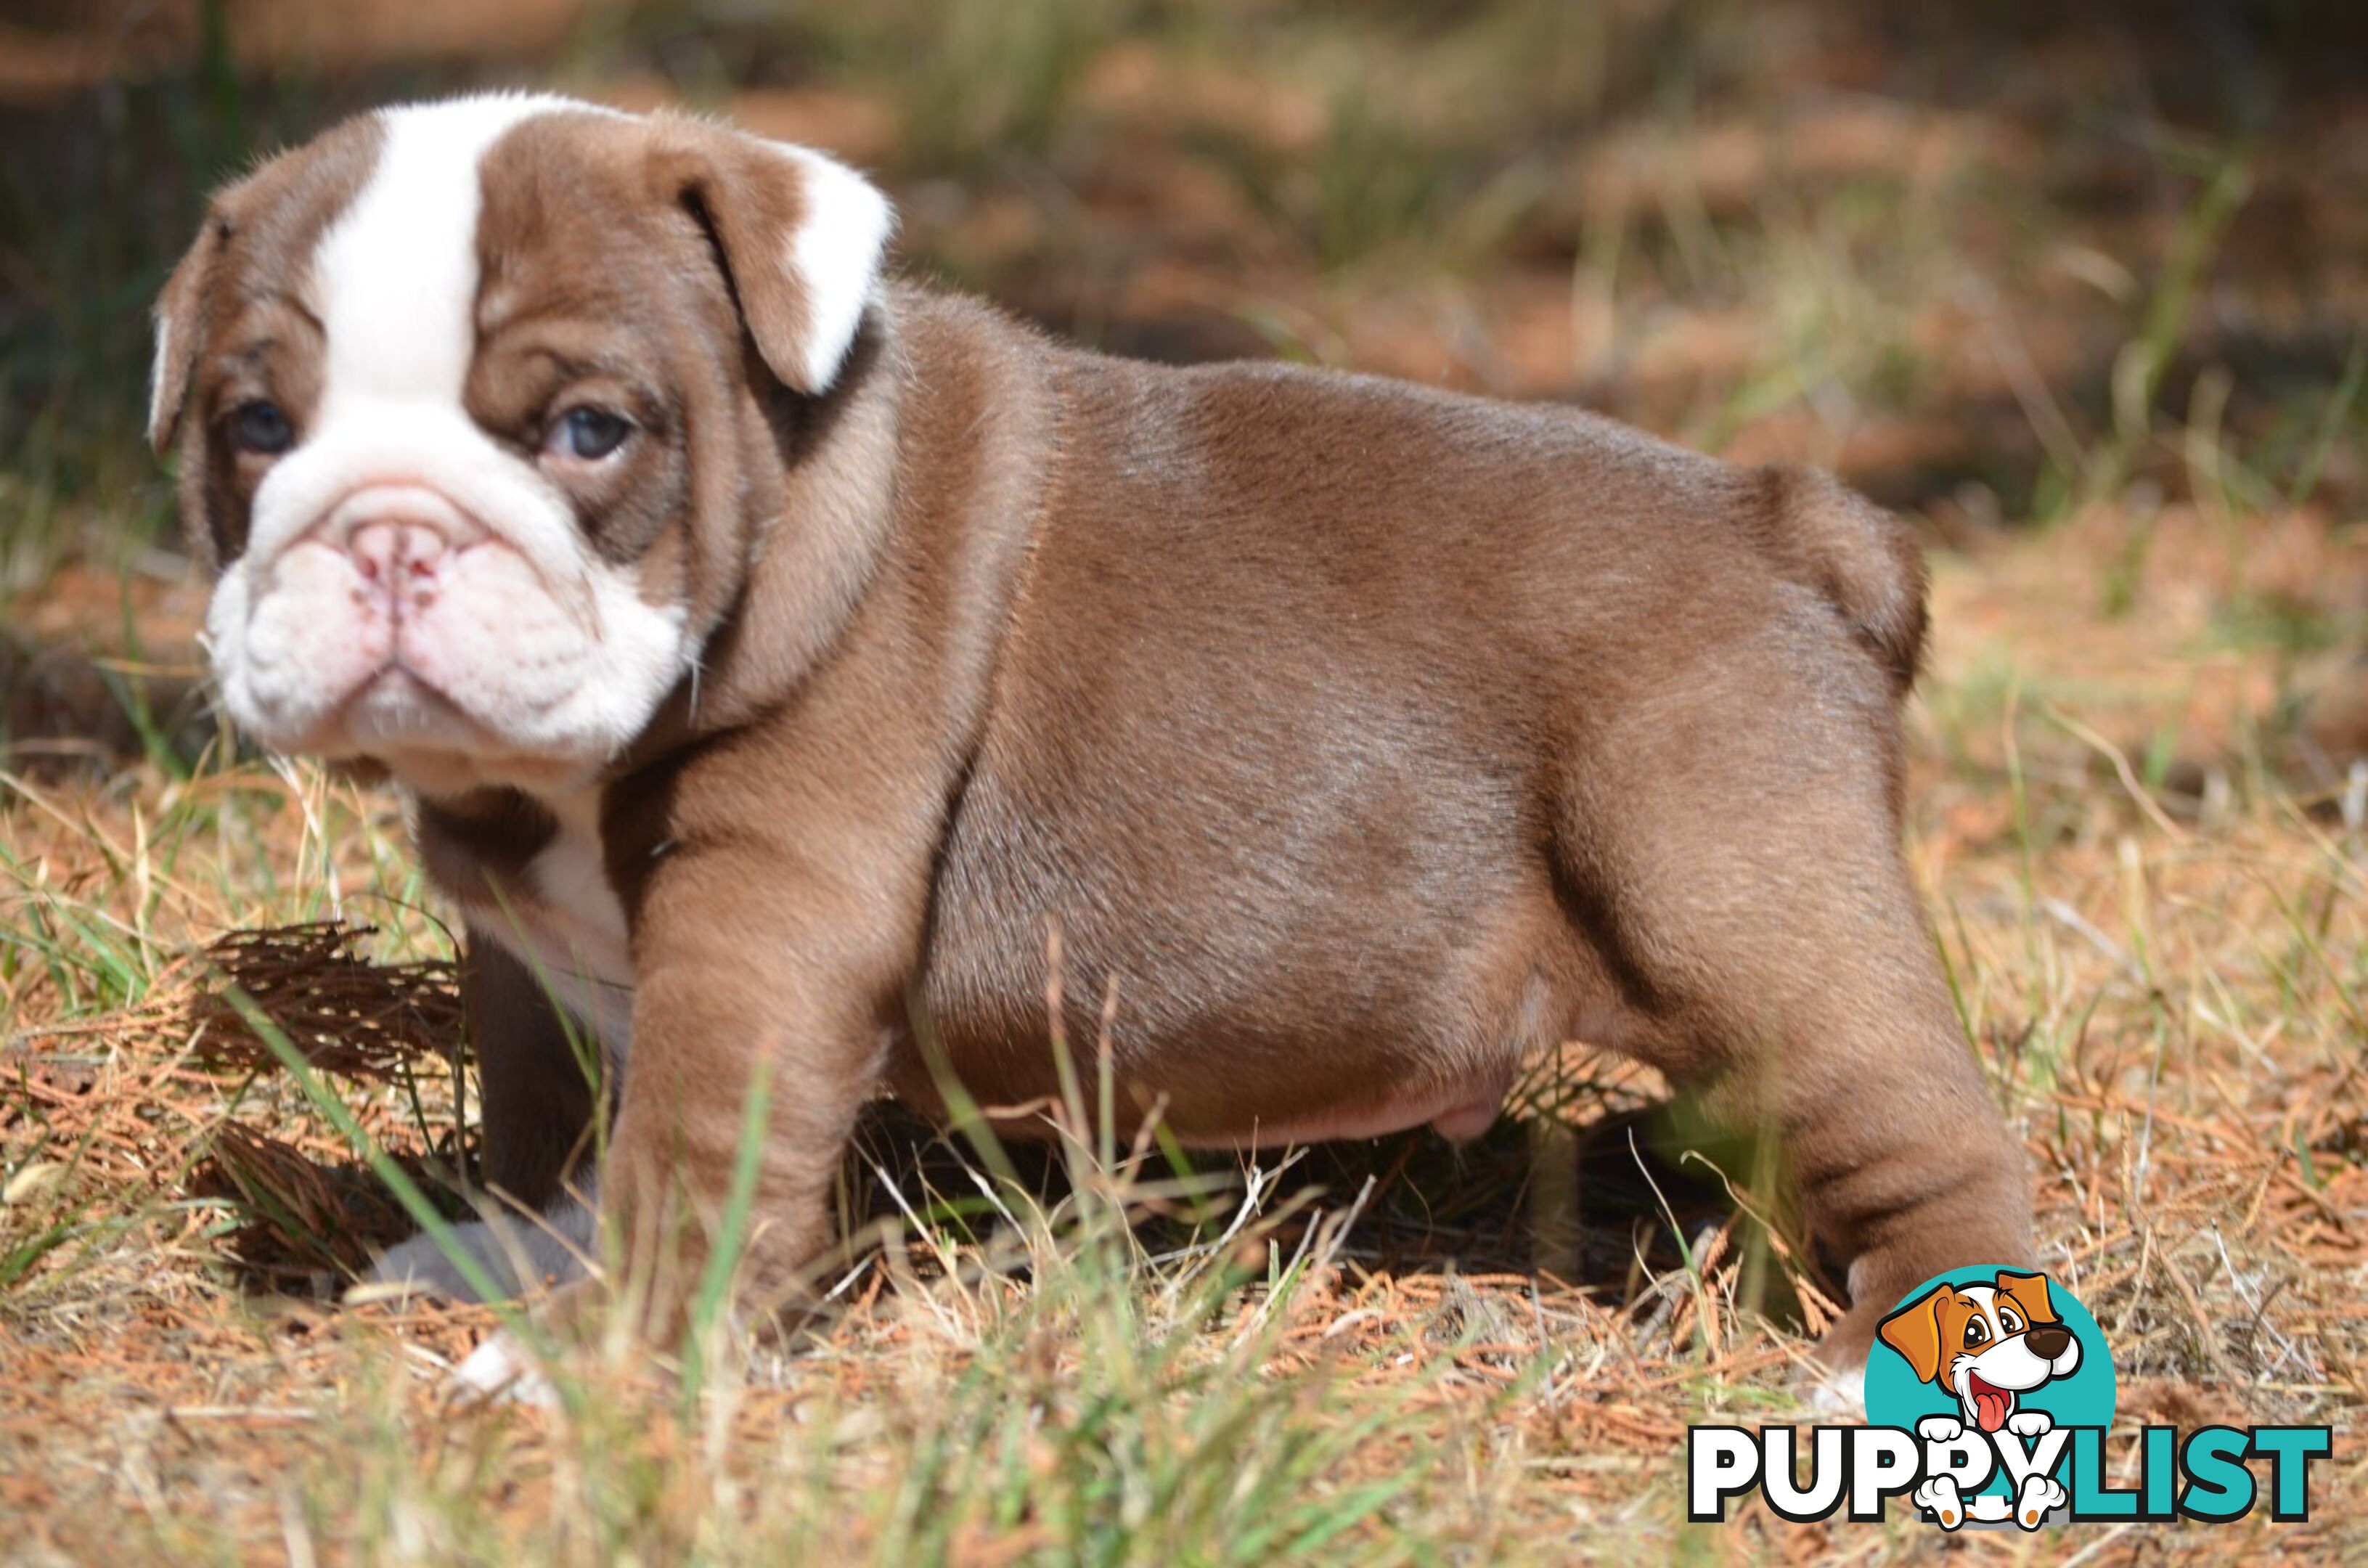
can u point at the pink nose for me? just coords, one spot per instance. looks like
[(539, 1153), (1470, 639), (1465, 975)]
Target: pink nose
[(401, 561)]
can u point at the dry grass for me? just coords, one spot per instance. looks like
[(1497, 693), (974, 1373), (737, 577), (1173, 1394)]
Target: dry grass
[(2124, 422)]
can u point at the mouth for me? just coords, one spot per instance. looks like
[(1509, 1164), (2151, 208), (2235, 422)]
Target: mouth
[(394, 699), (1992, 1405), (406, 723), (395, 710)]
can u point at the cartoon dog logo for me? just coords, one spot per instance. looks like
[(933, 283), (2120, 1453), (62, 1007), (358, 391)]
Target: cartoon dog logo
[(1987, 1345)]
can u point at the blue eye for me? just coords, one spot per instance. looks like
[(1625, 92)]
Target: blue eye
[(590, 433), (261, 427)]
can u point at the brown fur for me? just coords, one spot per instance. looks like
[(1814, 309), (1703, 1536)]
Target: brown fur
[(238, 324), (1365, 737)]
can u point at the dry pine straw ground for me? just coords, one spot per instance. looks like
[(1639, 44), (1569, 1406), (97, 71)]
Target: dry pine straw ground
[(2168, 998)]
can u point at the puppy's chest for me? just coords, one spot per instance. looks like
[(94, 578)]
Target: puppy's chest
[(533, 877), (580, 921)]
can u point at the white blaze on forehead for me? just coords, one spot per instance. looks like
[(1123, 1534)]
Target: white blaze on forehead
[(395, 278)]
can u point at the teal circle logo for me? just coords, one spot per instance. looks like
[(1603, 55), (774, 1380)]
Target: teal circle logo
[(1990, 1348)]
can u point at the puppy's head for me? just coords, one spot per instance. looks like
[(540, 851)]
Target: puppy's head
[(1984, 1343), (476, 407)]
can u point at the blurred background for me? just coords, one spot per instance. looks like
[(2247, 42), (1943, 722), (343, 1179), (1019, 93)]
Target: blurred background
[(2004, 265)]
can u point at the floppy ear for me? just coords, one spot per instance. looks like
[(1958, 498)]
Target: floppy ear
[(802, 236), (1915, 1331), (2029, 1293), (180, 329)]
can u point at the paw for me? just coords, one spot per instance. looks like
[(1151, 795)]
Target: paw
[(2031, 1424), (513, 1252), (421, 1267), (2037, 1497), (500, 1369), (1940, 1428), (1939, 1498)]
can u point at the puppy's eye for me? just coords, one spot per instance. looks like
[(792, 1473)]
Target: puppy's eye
[(262, 428), (588, 434), (2008, 1321), (1977, 1331)]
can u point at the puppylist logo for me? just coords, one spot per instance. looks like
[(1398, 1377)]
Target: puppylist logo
[(1989, 1397)]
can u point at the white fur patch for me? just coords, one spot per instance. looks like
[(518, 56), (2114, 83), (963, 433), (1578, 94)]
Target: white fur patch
[(159, 416), (1833, 1393), (836, 256), (395, 278), (499, 1369), (573, 936), (572, 875)]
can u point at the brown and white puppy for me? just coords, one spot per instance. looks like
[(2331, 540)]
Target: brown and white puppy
[(769, 650)]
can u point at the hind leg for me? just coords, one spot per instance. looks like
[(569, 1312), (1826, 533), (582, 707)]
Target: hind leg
[(1738, 872)]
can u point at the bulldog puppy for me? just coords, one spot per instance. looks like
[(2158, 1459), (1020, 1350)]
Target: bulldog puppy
[(771, 652)]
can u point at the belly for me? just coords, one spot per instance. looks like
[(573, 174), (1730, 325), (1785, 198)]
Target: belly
[(1020, 1105), (1457, 1112), (1241, 1007)]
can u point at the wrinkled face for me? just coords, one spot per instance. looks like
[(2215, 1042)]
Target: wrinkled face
[(473, 401)]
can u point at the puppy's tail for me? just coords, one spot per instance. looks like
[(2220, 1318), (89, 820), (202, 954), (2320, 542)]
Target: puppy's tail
[(1863, 560)]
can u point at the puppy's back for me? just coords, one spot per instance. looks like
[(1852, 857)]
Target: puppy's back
[(1261, 493)]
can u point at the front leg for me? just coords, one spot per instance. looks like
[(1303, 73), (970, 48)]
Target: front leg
[(754, 963), (751, 960), (537, 1087), (536, 1110)]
